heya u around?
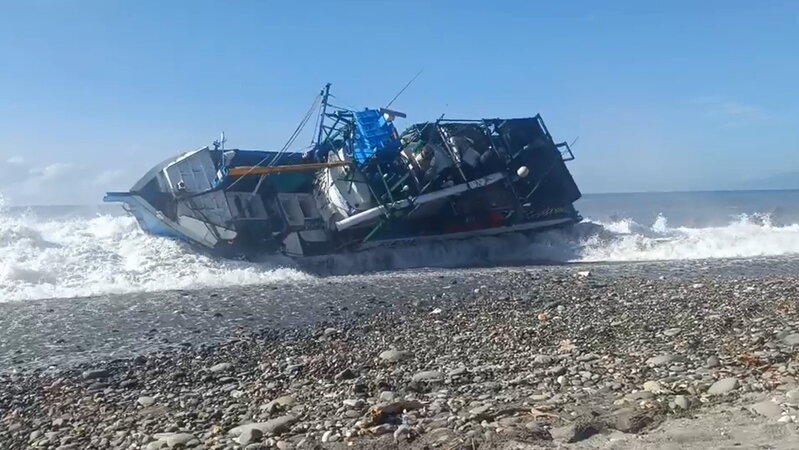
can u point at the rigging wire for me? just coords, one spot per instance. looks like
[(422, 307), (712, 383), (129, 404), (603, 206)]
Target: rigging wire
[(291, 140), (406, 87)]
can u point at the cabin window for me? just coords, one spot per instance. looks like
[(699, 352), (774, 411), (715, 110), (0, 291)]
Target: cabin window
[(239, 206)]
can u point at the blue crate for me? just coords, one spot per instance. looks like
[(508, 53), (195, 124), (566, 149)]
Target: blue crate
[(374, 137)]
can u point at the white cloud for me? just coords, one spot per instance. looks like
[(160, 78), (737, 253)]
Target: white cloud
[(728, 107), (738, 109), (56, 182), (50, 172), (107, 176)]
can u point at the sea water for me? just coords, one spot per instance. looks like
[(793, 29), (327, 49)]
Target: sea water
[(70, 251)]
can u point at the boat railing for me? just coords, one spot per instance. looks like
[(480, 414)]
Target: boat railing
[(565, 151)]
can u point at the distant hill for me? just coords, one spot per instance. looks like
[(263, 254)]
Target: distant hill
[(789, 180)]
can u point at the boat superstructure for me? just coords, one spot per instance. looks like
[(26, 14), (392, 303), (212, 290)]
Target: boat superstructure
[(361, 184)]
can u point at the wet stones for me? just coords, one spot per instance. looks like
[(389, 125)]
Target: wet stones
[(484, 370)]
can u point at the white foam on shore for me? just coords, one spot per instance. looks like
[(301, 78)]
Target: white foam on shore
[(744, 237), (59, 258), (107, 254)]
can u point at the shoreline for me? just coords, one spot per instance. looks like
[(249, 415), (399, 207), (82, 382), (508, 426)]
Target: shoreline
[(484, 358)]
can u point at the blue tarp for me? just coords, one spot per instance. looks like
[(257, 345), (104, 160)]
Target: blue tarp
[(375, 137)]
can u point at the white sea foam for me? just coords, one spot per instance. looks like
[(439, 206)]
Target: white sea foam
[(108, 254), (54, 258), (745, 236)]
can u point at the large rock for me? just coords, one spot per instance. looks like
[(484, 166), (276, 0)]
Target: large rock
[(631, 421), (173, 440), (639, 395), (662, 360), (354, 403), (792, 397), (538, 431), (576, 432), (346, 374), (428, 376), (221, 367), (671, 332), (655, 387), (767, 408), (458, 371), (95, 374), (182, 440), (791, 339), (723, 386), (250, 435), (395, 355), (145, 401), (275, 426)]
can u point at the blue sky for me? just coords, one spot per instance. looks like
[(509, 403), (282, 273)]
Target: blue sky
[(660, 95)]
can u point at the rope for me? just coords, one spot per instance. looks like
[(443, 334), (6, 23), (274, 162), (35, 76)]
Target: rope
[(406, 87), (291, 140)]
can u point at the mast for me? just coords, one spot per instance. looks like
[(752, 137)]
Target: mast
[(322, 111)]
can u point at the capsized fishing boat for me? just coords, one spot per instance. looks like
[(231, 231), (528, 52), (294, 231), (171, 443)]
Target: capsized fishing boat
[(360, 185)]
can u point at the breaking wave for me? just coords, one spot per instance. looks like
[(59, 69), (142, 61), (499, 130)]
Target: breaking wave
[(589, 241), (745, 236), (108, 254)]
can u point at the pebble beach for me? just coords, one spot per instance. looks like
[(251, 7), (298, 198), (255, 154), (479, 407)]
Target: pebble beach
[(584, 356)]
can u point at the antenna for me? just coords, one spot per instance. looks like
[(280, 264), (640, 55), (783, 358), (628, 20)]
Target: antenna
[(406, 87), (220, 143)]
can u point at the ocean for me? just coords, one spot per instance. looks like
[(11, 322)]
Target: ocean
[(76, 251)]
